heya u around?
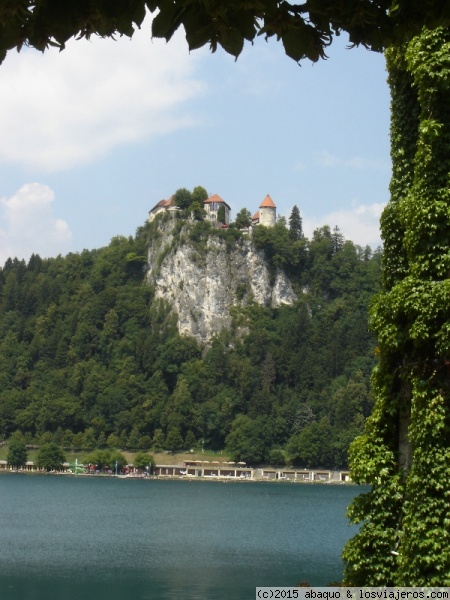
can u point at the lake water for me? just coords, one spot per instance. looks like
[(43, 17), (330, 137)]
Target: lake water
[(80, 538)]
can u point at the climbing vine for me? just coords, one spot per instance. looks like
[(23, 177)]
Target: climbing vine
[(404, 454)]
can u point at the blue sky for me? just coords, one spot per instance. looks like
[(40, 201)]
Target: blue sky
[(91, 138)]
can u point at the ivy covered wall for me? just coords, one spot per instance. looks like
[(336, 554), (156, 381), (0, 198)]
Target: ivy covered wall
[(405, 451)]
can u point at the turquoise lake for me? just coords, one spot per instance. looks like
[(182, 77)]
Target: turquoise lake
[(70, 538)]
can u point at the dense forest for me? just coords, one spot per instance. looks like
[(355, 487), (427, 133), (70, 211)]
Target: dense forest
[(88, 358)]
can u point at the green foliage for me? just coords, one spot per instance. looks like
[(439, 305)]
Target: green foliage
[(406, 465), (190, 441), (159, 440), (50, 457), (17, 450), (305, 29), (199, 194), (243, 218), (182, 198), (197, 211), (106, 459), (277, 457), (404, 452), (295, 225), (312, 447), (249, 439), (142, 461), (93, 361), (221, 214), (277, 246), (174, 441)]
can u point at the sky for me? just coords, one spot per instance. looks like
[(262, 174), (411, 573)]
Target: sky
[(93, 137)]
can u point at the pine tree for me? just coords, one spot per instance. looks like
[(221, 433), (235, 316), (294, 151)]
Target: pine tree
[(295, 224), (337, 239)]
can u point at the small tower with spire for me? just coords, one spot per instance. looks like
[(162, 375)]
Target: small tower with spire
[(267, 212)]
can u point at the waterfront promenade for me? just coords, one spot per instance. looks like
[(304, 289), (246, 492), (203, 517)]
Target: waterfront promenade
[(197, 469)]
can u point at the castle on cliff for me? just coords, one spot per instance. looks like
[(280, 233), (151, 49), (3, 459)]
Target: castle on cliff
[(266, 215)]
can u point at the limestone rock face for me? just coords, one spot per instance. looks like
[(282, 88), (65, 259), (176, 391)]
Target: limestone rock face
[(202, 286)]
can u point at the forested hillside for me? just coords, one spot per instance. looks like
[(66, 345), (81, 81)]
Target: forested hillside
[(88, 359)]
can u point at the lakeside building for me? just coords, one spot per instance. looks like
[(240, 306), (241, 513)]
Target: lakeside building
[(205, 470), (230, 470)]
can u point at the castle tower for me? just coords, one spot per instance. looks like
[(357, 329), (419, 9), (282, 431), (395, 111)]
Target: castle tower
[(267, 212)]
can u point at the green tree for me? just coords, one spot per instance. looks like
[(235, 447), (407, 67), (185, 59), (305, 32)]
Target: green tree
[(303, 417), (17, 451), (190, 440), (243, 218), (197, 210), (409, 427), (349, 402), (199, 194), (312, 447), (174, 441), (134, 439), (67, 440), (142, 460), (112, 441), (277, 457), (295, 224), (159, 441), (89, 439), (182, 198), (117, 460), (106, 459), (221, 214), (337, 239), (50, 457), (248, 439)]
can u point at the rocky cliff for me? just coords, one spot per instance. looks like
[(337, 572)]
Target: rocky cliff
[(203, 276)]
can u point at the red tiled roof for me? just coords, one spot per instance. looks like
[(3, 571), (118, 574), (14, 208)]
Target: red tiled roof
[(267, 203), (216, 198), (255, 216), (164, 203)]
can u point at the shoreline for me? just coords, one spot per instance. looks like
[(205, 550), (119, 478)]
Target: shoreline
[(171, 478)]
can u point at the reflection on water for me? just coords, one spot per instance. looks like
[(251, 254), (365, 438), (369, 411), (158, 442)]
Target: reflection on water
[(67, 538)]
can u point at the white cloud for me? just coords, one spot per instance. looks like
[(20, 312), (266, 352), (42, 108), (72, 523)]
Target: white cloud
[(28, 225), (325, 159), (64, 109), (360, 224)]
